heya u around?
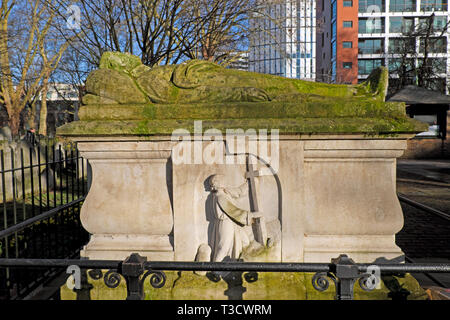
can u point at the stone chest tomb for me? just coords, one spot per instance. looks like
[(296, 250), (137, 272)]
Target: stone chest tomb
[(197, 162)]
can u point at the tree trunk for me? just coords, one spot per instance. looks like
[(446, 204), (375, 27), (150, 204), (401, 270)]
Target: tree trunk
[(43, 112), (32, 116), (14, 123)]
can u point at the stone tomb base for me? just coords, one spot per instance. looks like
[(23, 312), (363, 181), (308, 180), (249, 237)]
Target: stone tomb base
[(326, 196)]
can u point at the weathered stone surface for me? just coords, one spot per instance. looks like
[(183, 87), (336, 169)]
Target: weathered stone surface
[(308, 126), (110, 85), (268, 286), (306, 107), (329, 188)]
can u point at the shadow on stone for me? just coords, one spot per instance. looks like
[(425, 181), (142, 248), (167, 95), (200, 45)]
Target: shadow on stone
[(234, 281), (235, 286), (396, 290)]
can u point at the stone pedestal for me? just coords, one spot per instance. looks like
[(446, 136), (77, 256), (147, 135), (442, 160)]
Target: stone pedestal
[(350, 199), (128, 208), (331, 195)]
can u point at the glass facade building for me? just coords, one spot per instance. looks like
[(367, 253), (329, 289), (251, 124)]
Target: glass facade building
[(283, 39), (386, 31)]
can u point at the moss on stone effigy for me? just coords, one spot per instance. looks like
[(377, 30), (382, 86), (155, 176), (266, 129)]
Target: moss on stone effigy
[(311, 107), (125, 97), (344, 125)]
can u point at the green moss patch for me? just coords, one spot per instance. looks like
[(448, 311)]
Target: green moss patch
[(307, 107), (344, 125)]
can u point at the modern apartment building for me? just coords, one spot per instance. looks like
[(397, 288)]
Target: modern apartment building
[(283, 39), (62, 91), (356, 36)]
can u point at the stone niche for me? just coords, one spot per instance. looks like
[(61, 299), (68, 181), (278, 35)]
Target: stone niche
[(325, 187)]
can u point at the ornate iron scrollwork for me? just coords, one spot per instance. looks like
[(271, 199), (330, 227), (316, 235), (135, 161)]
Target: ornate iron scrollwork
[(366, 282), (95, 274), (251, 276), (157, 279), (320, 280), (344, 272), (112, 279)]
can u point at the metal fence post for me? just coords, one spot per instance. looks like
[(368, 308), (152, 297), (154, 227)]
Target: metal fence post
[(132, 268), (346, 272)]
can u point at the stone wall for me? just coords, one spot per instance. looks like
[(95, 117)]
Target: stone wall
[(424, 148)]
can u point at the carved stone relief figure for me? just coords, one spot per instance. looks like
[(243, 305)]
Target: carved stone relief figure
[(232, 229)]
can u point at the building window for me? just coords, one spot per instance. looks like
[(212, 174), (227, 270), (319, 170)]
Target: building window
[(433, 45), (371, 46), (366, 25), (366, 66), (433, 5), (333, 50), (348, 3), (404, 67), (402, 5), (435, 65), (402, 45), (333, 10), (401, 25), (333, 70), (347, 65), (348, 24), (333, 31), (347, 44), (439, 23), (368, 6)]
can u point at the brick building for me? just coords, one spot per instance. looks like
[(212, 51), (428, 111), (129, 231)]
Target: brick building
[(337, 42)]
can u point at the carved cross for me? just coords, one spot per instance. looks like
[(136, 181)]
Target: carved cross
[(250, 175), (259, 224)]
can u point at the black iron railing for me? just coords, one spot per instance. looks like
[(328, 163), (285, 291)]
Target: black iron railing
[(42, 190), (423, 207), (428, 209), (136, 269)]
